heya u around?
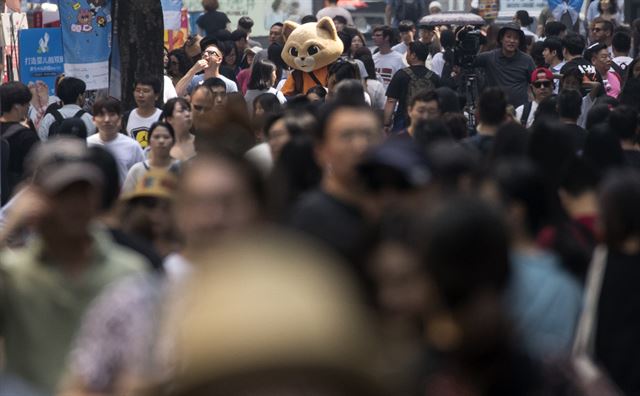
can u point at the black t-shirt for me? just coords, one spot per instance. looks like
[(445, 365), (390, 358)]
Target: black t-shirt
[(483, 144), (578, 134), (213, 21), (399, 87), (632, 158), (338, 224), (617, 344), (20, 144)]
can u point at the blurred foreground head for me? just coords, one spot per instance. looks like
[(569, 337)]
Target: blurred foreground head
[(269, 315)]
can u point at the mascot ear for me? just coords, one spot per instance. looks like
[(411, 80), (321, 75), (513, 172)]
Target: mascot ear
[(326, 24), (288, 28)]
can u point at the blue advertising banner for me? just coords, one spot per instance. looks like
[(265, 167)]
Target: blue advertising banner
[(171, 12), (86, 38), (41, 56)]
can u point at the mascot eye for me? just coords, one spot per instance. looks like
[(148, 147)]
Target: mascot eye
[(313, 50), (293, 51)]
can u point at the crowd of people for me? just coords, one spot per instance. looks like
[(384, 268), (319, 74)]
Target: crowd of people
[(403, 229)]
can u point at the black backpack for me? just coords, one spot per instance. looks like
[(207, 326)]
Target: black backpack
[(417, 84), (7, 178), (56, 128)]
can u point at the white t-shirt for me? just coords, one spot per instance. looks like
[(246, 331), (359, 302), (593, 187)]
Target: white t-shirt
[(169, 91), (532, 113), (138, 127), (401, 48), (377, 93), (387, 65), (437, 63), (126, 151)]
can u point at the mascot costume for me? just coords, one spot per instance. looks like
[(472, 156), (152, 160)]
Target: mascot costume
[(309, 49)]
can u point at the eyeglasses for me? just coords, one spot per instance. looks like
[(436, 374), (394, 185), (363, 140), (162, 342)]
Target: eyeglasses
[(210, 53), (545, 84)]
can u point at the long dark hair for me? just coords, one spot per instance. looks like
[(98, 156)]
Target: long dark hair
[(261, 75), (363, 54), (613, 7)]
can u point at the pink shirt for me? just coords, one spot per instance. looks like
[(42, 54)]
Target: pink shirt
[(243, 79), (613, 85)]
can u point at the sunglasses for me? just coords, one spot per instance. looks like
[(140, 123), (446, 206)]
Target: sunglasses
[(540, 84)]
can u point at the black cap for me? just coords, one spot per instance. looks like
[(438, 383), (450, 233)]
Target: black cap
[(510, 26)]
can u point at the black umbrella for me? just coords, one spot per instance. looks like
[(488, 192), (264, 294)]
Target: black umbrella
[(451, 18)]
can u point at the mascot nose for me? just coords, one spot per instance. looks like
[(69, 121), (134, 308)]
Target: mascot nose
[(302, 58)]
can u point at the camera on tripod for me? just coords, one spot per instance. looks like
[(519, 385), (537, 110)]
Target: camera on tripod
[(468, 41)]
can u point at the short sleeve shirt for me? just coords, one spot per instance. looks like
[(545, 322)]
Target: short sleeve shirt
[(387, 65), (199, 79), (399, 87), (510, 73), (212, 22)]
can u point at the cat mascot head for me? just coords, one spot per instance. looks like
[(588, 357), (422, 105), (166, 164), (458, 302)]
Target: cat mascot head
[(311, 46)]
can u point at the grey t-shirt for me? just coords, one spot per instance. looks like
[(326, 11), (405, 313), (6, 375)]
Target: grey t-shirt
[(512, 74), (199, 79)]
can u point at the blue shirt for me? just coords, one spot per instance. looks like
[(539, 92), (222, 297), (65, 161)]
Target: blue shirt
[(199, 79), (544, 303)]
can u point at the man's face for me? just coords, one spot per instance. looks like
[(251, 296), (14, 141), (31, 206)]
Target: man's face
[(422, 111), (275, 34), (212, 55), (211, 202), (145, 96), (426, 35), (219, 97), (378, 38), (107, 122), (241, 44), (542, 87), (510, 41), (71, 209), (348, 135), (549, 56), (339, 25), (598, 33), (602, 60), (407, 37), (201, 103)]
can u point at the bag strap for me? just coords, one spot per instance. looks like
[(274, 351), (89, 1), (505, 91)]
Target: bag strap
[(525, 113), (314, 78), (297, 81), (56, 114), (410, 72), (12, 130), (79, 114)]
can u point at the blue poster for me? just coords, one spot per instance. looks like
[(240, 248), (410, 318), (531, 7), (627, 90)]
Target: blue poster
[(171, 12), (41, 56), (86, 38)]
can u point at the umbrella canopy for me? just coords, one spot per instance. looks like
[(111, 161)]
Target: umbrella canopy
[(451, 18)]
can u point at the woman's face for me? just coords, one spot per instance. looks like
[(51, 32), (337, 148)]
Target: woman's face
[(278, 137), (356, 43), (165, 60), (181, 118), (161, 141), (231, 58), (174, 65), (258, 110)]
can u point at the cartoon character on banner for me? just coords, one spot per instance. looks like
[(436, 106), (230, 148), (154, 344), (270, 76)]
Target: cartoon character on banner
[(309, 49), (86, 16)]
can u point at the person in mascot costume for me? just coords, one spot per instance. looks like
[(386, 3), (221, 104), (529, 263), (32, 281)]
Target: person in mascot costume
[(309, 49)]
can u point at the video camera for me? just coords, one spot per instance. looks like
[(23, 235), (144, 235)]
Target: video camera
[(468, 41)]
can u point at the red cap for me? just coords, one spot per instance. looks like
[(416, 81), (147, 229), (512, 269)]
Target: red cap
[(536, 75)]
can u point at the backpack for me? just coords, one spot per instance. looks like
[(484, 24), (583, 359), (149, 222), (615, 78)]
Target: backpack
[(7, 178), (408, 9), (417, 84), (56, 128)]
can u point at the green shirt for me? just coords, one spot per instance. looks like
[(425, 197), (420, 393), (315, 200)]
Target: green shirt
[(41, 307)]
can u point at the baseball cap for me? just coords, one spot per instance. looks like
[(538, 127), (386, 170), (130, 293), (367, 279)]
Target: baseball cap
[(60, 162), (435, 4), (155, 183), (253, 50), (541, 73), (397, 162)]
